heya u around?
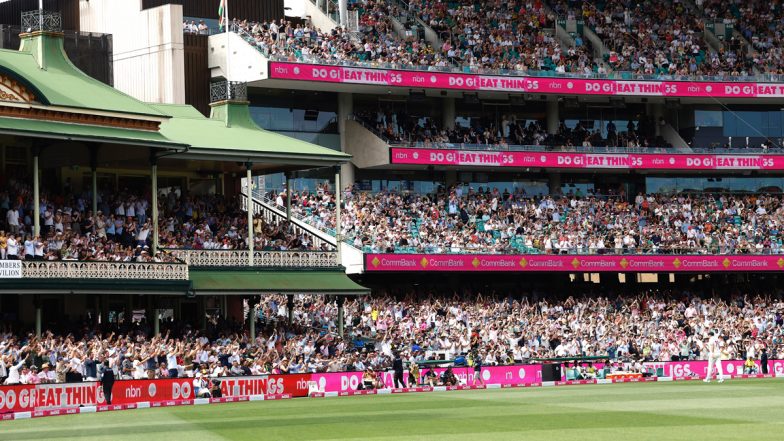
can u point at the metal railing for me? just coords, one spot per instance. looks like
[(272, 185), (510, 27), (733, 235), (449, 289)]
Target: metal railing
[(104, 270), (276, 217), (556, 148), (268, 259), (579, 149), (464, 69), (228, 90), (46, 21), (619, 75)]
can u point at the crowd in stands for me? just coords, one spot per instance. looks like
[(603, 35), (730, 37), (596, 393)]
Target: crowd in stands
[(659, 38), (760, 30), (121, 229), (654, 37), (400, 128), (490, 330), (192, 27), (297, 42), (461, 220), (503, 35)]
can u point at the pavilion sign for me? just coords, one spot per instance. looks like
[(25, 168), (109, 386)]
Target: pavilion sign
[(10, 269)]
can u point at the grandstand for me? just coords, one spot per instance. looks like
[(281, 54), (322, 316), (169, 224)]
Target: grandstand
[(451, 195)]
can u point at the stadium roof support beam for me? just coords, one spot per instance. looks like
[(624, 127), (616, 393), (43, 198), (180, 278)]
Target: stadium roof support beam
[(36, 195), (249, 196), (288, 197), (252, 319), (154, 196), (553, 116), (94, 176), (338, 201), (341, 316)]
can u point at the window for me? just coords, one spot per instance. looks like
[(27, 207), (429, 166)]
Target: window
[(294, 120), (714, 185), (708, 118)]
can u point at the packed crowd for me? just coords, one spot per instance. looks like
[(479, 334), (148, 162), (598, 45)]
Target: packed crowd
[(378, 43), (655, 37), (503, 35), (473, 36), (659, 38), (486, 220), (491, 330), (400, 128), (121, 229), (759, 24)]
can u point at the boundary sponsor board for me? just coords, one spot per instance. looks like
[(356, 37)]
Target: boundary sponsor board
[(572, 263), (521, 84), (145, 405), (62, 399), (513, 374), (572, 160), (732, 368), (55, 396)]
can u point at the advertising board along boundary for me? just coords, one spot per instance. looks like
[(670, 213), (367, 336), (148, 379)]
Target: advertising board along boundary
[(34, 401)]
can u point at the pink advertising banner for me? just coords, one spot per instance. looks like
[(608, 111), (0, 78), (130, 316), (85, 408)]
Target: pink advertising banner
[(570, 160), (521, 84), (515, 374), (572, 263), (733, 368)]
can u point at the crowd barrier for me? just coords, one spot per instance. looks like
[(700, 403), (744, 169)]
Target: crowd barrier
[(48, 399)]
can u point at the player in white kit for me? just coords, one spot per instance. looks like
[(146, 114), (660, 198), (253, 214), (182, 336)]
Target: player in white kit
[(715, 348)]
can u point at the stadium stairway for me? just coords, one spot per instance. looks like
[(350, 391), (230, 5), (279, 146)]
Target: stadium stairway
[(323, 14), (365, 146), (249, 64), (351, 257)]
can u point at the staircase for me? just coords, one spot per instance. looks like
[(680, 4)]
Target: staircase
[(349, 257), (323, 14), (411, 21)]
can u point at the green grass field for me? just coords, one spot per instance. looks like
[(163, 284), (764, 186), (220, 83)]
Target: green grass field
[(741, 409)]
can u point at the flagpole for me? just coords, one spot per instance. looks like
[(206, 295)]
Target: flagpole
[(228, 48)]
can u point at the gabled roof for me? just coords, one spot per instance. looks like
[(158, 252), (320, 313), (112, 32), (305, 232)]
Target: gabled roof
[(231, 133), (42, 65)]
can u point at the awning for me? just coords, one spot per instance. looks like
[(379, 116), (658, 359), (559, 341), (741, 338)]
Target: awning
[(335, 282), (94, 286), (36, 128)]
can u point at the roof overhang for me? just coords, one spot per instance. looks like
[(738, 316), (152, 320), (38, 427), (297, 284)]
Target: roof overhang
[(274, 281)]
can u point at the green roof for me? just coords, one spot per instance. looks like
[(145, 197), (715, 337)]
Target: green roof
[(208, 282), (229, 135), (42, 65), (79, 132), (231, 132)]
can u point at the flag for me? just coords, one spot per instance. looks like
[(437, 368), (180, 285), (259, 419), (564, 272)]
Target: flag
[(221, 13)]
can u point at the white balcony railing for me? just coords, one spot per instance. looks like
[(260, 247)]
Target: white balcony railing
[(104, 270), (269, 259)]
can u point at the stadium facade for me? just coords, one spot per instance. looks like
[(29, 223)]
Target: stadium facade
[(714, 135), (64, 129)]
